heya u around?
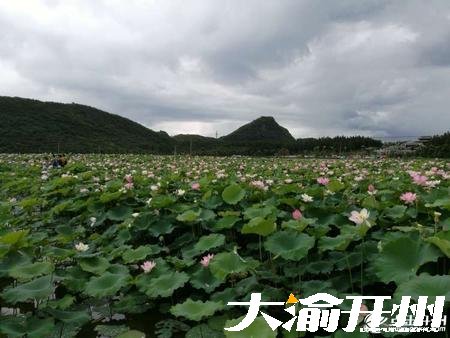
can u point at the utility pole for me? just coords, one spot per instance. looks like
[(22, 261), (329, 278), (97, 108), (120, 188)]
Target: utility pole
[(216, 134)]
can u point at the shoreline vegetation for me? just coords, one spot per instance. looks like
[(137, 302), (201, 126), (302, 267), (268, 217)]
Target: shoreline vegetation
[(32, 126)]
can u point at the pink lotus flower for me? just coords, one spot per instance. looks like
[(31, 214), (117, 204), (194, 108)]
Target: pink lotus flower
[(195, 186), (419, 179), (296, 214), (371, 190), (206, 259), (128, 182), (148, 266), (408, 197), (323, 180), (259, 185)]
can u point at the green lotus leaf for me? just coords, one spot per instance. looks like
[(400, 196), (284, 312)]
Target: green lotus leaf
[(74, 278), (108, 284), (204, 279), (425, 285), (13, 259), (132, 302), (27, 327), (335, 185), (320, 267), (31, 270), (262, 212), (195, 310), (62, 303), (395, 212), (226, 263), (131, 334), (96, 265), (338, 243), (162, 201), (119, 213), (162, 227), (370, 202), (168, 327), (325, 218), (344, 260), (258, 329), (208, 242), (134, 255), (217, 323), (233, 194), (206, 215), (39, 288), (154, 224), (110, 196), (188, 216), (290, 245), (259, 226), (58, 253), (38, 328), (15, 238), (12, 326), (442, 241), (226, 222), (211, 201), (314, 286), (440, 202), (163, 285), (71, 317), (111, 330), (4, 249), (203, 331), (401, 257), (297, 225)]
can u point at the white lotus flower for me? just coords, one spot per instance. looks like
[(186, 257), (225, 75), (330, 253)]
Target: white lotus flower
[(81, 247), (360, 217), (306, 198)]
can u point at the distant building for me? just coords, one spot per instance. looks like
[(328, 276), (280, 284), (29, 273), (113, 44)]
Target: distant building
[(403, 148)]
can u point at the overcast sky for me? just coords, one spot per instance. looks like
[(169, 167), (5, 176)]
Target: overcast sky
[(319, 67)]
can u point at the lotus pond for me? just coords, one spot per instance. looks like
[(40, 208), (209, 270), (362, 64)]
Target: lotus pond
[(134, 245)]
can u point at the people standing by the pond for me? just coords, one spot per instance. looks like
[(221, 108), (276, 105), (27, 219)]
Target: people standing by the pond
[(62, 160), (55, 162)]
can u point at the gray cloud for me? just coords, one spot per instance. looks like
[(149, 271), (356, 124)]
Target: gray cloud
[(320, 68)]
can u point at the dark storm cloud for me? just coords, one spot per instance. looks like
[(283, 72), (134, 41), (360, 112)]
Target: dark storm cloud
[(320, 67)]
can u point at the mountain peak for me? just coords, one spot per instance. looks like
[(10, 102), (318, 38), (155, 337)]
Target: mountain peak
[(264, 128)]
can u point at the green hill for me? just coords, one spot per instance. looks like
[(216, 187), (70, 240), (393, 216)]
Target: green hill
[(35, 126), (264, 129), (31, 126), (263, 136)]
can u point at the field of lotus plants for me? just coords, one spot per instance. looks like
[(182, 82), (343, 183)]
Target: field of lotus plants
[(155, 246)]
